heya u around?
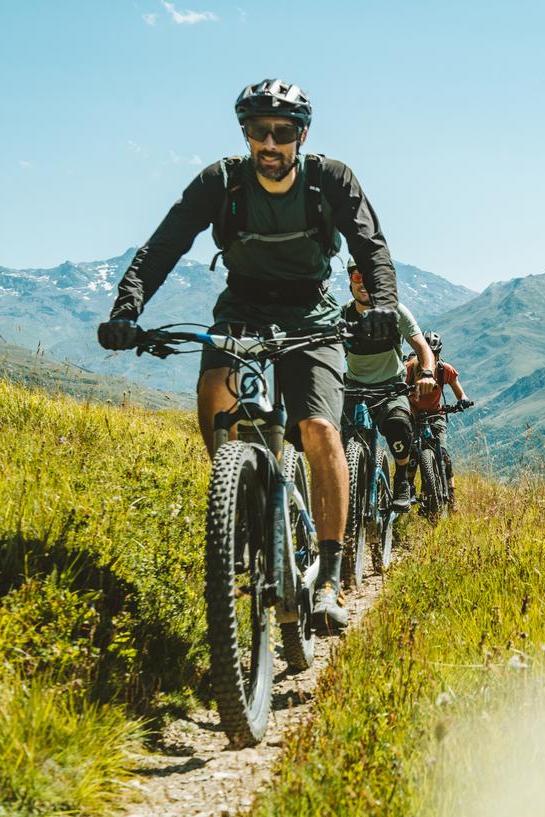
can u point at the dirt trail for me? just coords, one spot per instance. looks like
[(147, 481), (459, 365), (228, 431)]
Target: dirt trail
[(203, 777)]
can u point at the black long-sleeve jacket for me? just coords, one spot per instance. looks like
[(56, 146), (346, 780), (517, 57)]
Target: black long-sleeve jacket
[(201, 205)]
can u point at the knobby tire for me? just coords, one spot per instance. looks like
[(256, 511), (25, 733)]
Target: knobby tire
[(355, 533), (382, 533), (431, 486), (241, 662)]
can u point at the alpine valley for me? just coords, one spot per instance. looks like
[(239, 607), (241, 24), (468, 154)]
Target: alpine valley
[(495, 339)]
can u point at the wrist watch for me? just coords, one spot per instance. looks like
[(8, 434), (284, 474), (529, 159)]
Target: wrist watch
[(426, 373)]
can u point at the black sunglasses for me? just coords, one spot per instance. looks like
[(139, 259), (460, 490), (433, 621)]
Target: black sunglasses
[(282, 134)]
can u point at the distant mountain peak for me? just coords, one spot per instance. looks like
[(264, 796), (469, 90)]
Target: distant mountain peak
[(63, 305)]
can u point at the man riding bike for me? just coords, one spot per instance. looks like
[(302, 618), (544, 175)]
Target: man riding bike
[(379, 363), (275, 218), (430, 402)]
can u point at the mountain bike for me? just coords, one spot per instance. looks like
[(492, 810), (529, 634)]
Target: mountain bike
[(427, 455), (261, 547), (370, 514)]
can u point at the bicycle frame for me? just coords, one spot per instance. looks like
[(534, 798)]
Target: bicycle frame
[(261, 424), (367, 432)]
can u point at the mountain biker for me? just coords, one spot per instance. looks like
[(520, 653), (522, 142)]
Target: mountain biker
[(380, 364), (445, 375), (277, 232)]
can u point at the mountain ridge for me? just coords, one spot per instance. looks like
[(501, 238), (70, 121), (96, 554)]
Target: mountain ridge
[(60, 308)]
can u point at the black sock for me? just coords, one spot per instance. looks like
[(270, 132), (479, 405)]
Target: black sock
[(401, 471), (331, 545)]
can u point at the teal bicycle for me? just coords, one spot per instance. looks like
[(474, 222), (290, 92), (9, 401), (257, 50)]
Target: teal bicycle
[(371, 516), (261, 548)]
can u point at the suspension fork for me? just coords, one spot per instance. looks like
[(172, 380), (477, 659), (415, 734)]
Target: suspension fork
[(282, 568)]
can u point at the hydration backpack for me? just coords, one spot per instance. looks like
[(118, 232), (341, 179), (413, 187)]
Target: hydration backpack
[(232, 224)]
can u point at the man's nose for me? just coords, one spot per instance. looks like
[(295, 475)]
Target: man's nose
[(269, 141)]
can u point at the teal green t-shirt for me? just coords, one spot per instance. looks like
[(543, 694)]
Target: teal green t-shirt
[(383, 366)]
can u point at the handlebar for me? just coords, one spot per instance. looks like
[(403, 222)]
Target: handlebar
[(446, 409), (269, 341), (379, 394)]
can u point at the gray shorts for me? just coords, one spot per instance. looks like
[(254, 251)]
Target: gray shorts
[(311, 381), (439, 428)]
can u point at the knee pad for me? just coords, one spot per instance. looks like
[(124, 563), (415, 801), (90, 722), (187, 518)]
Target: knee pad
[(397, 429), (448, 463)]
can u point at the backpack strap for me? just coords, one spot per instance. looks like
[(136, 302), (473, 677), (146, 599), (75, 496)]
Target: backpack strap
[(441, 381), (314, 202), (233, 218), (233, 214)]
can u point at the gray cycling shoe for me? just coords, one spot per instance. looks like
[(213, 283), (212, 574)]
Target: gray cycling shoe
[(328, 614)]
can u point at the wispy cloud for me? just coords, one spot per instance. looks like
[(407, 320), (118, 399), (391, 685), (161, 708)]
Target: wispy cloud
[(188, 17), (25, 164), (175, 159), (150, 19), (242, 15), (134, 147)]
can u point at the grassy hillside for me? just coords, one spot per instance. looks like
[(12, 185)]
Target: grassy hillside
[(102, 620), (415, 700), (34, 369), (101, 529)]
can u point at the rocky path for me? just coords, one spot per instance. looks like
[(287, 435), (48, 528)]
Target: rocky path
[(203, 777)]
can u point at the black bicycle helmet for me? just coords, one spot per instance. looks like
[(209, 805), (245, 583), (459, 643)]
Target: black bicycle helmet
[(351, 265), (434, 340), (273, 97)]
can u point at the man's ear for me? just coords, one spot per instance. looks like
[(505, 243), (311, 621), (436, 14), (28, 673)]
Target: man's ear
[(303, 137)]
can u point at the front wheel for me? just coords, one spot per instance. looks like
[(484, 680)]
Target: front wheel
[(355, 533), (297, 638), (238, 621), (432, 489), (381, 527)]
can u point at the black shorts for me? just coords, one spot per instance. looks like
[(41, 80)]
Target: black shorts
[(311, 382)]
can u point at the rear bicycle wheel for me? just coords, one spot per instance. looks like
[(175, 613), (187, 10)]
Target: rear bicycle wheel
[(297, 638), (355, 533), (238, 622), (432, 490)]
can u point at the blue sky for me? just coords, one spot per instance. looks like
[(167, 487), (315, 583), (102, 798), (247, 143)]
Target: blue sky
[(110, 107)]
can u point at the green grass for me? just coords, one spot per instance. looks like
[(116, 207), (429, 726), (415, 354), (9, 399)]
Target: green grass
[(108, 503), (101, 591), (59, 754), (102, 614), (460, 624)]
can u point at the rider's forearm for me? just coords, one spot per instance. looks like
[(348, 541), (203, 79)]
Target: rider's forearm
[(459, 393), (423, 352), (357, 221), (172, 239)]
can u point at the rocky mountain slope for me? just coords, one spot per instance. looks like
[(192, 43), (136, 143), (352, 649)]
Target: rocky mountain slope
[(60, 308), (497, 342)]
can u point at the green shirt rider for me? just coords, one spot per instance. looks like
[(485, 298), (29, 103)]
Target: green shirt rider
[(379, 364)]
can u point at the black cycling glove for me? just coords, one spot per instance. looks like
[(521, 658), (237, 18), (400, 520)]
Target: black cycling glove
[(118, 333), (464, 404), (379, 323)]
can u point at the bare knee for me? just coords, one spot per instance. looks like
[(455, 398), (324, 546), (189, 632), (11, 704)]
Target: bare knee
[(317, 432)]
